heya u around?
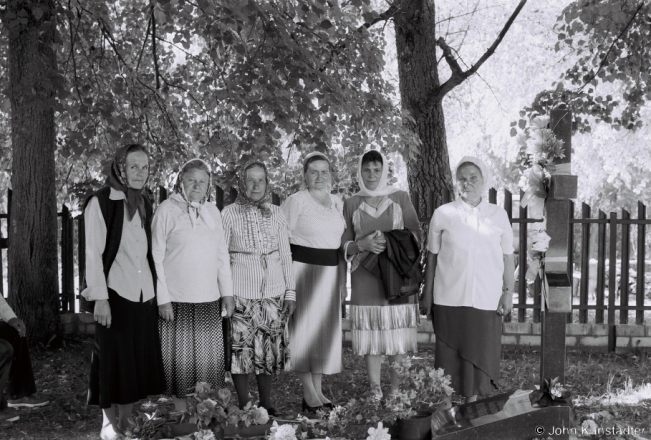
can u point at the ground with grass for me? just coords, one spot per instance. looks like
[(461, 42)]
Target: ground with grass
[(613, 389)]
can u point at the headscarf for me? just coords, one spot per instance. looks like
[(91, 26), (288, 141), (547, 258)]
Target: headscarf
[(486, 173), (195, 209), (117, 180), (322, 156), (382, 188), (242, 197)]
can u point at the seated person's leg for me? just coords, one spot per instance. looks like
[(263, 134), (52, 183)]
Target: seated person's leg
[(20, 385)]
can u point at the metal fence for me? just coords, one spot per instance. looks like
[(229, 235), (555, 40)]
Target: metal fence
[(597, 299)]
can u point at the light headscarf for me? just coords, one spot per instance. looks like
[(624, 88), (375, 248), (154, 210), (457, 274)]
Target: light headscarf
[(242, 197), (382, 189), (117, 179), (194, 209), (321, 156), (486, 173)]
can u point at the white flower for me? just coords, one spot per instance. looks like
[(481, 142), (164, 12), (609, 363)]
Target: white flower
[(204, 434), (589, 427), (540, 121), (540, 241), (282, 432), (261, 416), (379, 433)]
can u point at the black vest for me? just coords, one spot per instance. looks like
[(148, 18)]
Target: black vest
[(113, 213)]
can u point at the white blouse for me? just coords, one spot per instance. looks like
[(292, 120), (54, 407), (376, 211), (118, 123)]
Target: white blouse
[(192, 263), (130, 273), (311, 224), (471, 244)]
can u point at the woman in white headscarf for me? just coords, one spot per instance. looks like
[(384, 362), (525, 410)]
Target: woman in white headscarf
[(379, 326), (194, 283), (469, 281)]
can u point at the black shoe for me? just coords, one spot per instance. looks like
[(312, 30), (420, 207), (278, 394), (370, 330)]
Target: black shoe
[(272, 411), (310, 409), (329, 405)]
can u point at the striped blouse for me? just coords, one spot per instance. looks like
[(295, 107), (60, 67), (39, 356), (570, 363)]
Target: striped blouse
[(261, 260)]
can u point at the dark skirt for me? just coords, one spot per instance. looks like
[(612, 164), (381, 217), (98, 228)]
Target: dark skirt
[(468, 347), (126, 364), (193, 347), (260, 340)]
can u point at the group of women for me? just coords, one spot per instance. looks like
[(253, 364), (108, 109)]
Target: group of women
[(162, 282)]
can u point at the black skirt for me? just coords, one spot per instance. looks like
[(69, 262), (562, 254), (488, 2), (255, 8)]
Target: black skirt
[(126, 364)]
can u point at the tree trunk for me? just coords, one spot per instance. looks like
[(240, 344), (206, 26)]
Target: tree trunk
[(418, 73), (32, 254)]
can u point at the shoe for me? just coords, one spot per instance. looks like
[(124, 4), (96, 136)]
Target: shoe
[(328, 405), (27, 402), (310, 409), (272, 411), (6, 416)]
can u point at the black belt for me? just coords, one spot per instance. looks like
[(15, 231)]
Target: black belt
[(319, 257)]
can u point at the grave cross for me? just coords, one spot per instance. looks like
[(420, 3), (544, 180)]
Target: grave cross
[(558, 258)]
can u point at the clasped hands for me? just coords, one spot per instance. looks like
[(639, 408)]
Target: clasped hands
[(167, 313), (374, 242)]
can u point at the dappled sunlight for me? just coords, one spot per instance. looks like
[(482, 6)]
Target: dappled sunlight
[(630, 395)]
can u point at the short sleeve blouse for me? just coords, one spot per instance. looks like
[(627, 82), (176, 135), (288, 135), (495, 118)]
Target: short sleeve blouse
[(470, 243)]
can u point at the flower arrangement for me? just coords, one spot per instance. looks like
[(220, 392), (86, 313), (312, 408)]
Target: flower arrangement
[(551, 393)]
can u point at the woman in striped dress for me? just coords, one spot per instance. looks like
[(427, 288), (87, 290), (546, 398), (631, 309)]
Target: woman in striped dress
[(263, 285), (194, 283), (315, 226)]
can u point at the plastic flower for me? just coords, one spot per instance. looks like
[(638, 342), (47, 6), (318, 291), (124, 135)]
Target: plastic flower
[(589, 427), (204, 434), (282, 432), (540, 241), (202, 388), (379, 433), (206, 407), (261, 416), (224, 395)]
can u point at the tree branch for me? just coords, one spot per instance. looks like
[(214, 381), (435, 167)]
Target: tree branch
[(384, 16), (458, 75), (153, 46), (603, 60), (144, 43)]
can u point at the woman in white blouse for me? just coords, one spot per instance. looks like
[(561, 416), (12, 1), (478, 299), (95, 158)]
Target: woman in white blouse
[(194, 283), (316, 223), (469, 279)]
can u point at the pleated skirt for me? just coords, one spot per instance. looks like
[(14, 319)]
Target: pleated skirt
[(381, 327), (315, 327), (468, 347), (260, 341), (126, 363), (193, 347)]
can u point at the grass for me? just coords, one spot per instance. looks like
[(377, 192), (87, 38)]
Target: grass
[(613, 389)]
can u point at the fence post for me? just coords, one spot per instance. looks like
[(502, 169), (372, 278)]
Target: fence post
[(508, 207), (612, 282), (570, 260), (585, 263), (522, 263), (623, 274), (492, 196), (641, 266), (81, 250), (67, 261), (232, 194), (219, 197), (275, 199), (162, 194), (601, 267)]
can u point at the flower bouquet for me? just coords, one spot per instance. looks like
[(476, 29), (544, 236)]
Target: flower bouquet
[(551, 393)]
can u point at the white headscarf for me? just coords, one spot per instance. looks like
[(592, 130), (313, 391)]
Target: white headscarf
[(382, 188), (486, 173), (195, 209)]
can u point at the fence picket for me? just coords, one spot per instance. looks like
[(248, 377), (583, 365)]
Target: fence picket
[(585, 264), (522, 263), (612, 284), (641, 263), (623, 274), (601, 267)]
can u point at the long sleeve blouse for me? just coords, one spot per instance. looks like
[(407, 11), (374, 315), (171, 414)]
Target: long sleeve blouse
[(192, 262), (6, 313), (261, 260), (130, 273)]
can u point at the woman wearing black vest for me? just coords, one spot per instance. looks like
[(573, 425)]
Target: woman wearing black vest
[(126, 364)]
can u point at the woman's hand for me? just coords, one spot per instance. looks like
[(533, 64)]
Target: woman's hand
[(505, 305), (228, 304), (288, 307), (19, 325), (102, 312), (166, 311), (372, 243), (426, 303)]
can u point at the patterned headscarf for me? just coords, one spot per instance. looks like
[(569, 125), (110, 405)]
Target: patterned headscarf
[(195, 209), (117, 180), (244, 200)]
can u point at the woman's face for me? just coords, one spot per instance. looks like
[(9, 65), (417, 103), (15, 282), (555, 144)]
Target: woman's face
[(371, 174), (195, 184), (137, 169), (318, 175), (471, 182), (256, 183)]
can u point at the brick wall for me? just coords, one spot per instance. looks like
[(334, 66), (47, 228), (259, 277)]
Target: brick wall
[(578, 336)]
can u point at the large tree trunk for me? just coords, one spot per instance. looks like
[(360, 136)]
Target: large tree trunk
[(418, 73), (32, 254)]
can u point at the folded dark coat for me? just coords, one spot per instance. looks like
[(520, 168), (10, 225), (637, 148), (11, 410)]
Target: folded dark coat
[(398, 266)]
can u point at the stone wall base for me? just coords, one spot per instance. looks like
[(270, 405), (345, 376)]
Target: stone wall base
[(629, 337)]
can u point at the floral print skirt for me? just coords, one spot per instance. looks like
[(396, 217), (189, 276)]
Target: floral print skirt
[(260, 341)]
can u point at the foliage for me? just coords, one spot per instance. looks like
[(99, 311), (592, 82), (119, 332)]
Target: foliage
[(214, 407)]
